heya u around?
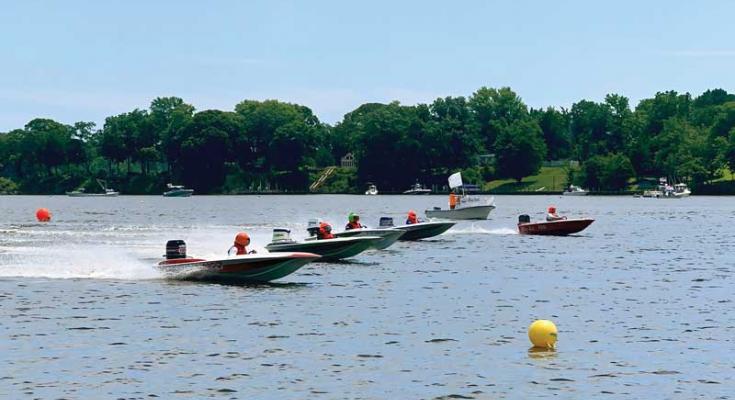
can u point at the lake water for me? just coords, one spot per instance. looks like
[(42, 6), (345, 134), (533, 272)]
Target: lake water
[(643, 300)]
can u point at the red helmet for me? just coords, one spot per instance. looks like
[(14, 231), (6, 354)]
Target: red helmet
[(324, 226), (412, 213), (242, 239), (552, 210)]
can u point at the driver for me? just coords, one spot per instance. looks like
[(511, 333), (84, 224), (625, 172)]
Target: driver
[(239, 248), (325, 231), (552, 215)]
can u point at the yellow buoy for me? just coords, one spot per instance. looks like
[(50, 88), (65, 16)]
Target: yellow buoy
[(542, 334)]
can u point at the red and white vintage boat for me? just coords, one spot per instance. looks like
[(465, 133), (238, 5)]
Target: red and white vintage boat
[(555, 228)]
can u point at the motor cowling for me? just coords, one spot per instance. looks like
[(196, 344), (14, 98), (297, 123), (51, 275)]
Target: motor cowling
[(524, 219), (175, 249), (281, 235), (385, 222), (312, 227)]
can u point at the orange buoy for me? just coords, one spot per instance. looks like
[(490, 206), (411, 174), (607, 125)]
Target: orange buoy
[(43, 215)]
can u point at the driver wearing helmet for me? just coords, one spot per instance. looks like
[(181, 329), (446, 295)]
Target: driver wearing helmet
[(242, 240), (325, 231), (552, 215), (353, 222), (412, 218)]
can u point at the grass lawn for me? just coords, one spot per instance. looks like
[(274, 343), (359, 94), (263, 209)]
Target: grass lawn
[(548, 179), (727, 176)]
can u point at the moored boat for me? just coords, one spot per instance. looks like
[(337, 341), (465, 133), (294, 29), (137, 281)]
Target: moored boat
[(666, 190), (420, 230), (417, 188), (244, 268), (679, 191), (177, 191), (652, 193), (575, 191), (328, 249), (107, 192), (552, 228), (372, 190)]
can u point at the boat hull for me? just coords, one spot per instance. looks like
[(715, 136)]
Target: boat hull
[(328, 249), (247, 268), (79, 194), (424, 230), (387, 236), (555, 228), (463, 213), (582, 193), (418, 191), (179, 193)]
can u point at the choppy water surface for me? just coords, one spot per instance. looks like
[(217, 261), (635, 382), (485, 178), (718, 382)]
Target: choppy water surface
[(643, 300)]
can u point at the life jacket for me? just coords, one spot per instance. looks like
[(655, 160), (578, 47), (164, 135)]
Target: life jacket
[(353, 225), (412, 219), (240, 249), (452, 200), (553, 217)]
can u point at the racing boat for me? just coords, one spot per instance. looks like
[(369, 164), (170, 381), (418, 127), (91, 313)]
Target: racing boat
[(468, 207), (387, 236), (420, 230), (245, 268), (553, 228), (328, 249)]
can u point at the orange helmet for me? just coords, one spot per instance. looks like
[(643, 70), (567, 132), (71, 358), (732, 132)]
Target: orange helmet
[(552, 210), (242, 239), (324, 226)]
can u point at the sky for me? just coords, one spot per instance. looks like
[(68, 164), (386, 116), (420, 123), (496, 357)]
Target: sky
[(86, 60)]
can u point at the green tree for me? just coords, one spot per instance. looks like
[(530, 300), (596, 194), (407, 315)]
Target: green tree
[(607, 172), (520, 149), (206, 146), (495, 109), (168, 116), (589, 126), (555, 127), (388, 145), (262, 119), (450, 139)]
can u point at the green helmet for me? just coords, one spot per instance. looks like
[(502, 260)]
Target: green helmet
[(351, 217)]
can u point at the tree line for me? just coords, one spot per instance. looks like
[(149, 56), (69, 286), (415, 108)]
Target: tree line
[(489, 135)]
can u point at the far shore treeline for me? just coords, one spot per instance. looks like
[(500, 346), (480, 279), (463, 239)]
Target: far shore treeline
[(273, 145)]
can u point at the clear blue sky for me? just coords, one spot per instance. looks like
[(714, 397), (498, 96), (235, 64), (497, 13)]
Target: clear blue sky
[(84, 60)]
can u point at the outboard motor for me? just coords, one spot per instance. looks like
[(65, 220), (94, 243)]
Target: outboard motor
[(281, 235), (524, 219), (175, 249), (313, 227), (386, 222)]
